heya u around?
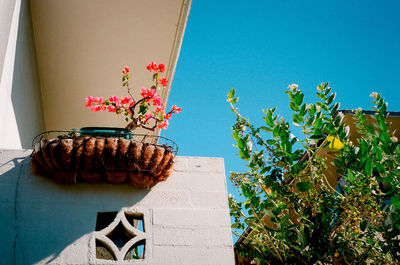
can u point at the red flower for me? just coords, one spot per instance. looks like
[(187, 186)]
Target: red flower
[(98, 100), (145, 92), (98, 108), (89, 101), (163, 125), (126, 70), (168, 116), (175, 109), (114, 99), (125, 100), (152, 67), (111, 108), (159, 109), (163, 81), (157, 101), (161, 67)]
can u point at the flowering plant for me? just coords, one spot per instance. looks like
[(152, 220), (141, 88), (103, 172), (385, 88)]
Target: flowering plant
[(148, 112), (294, 212)]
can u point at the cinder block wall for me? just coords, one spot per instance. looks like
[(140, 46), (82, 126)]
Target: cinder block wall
[(186, 217)]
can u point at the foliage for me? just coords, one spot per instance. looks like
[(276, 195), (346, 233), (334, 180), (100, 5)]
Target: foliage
[(146, 114), (295, 216)]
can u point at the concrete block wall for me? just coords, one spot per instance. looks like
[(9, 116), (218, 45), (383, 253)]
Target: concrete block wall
[(186, 217)]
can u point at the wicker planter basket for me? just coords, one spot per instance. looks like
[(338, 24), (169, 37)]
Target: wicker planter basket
[(142, 161)]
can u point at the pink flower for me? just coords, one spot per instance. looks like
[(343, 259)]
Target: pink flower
[(175, 109), (163, 81), (163, 125), (160, 109), (98, 100), (161, 67), (89, 101), (114, 99), (125, 100), (168, 116), (145, 92), (152, 67), (97, 108), (111, 108), (157, 101)]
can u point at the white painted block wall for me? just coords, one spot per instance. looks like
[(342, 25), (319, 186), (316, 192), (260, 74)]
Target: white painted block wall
[(21, 114), (42, 222)]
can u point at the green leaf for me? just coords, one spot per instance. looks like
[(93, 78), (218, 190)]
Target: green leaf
[(310, 121), (235, 225), (297, 118), (331, 98), (312, 110), (243, 154), (317, 123), (368, 166), (364, 147), (303, 186), (235, 136), (242, 143), (378, 152), (266, 129), (276, 131), (265, 169), (231, 93), (382, 125), (398, 150), (234, 100), (269, 121), (317, 137), (298, 98), (396, 202), (335, 108), (323, 106), (350, 175), (287, 146), (321, 95), (303, 110), (293, 106), (379, 167), (384, 137)]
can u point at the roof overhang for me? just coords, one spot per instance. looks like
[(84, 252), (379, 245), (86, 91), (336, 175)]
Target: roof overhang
[(82, 47)]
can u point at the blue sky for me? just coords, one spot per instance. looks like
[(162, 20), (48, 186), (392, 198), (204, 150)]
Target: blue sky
[(260, 47)]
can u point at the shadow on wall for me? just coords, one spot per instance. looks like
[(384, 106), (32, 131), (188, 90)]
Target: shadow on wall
[(41, 218), (26, 95)]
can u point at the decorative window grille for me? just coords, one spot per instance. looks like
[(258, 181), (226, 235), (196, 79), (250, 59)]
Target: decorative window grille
[(120, 236)]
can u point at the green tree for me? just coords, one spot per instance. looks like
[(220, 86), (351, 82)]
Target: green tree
[(295, 216)]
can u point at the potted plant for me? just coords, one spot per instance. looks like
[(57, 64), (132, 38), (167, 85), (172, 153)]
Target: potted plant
[(115, 155)]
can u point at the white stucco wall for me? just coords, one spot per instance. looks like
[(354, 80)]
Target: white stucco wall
[(47, 223), (21, 115)]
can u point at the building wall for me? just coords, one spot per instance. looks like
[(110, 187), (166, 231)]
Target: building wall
[(186, 217), (21, 115)]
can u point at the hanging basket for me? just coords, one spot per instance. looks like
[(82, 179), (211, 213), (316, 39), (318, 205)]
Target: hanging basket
[(71, 157)]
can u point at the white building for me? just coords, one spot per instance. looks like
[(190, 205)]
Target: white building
[(53, 54)]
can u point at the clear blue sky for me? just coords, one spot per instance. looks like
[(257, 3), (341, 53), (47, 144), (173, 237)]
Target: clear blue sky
[(260, 47)]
